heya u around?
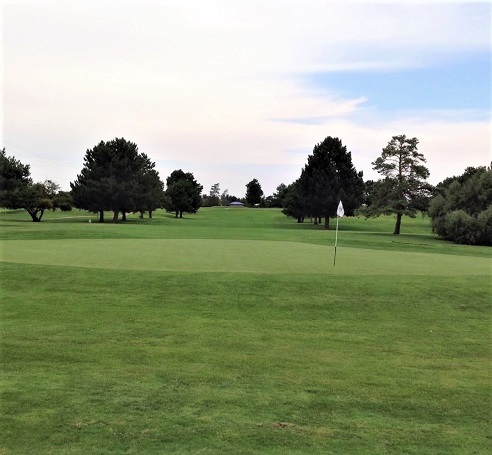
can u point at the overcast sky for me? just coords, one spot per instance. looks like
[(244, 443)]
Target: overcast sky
[(235, 90)]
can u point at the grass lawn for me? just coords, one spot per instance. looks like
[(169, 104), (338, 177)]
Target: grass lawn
[(231, 332)]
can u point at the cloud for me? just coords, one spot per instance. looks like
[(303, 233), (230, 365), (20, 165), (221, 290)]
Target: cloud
[(216, 87)]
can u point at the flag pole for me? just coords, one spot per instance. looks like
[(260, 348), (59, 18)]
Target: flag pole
[(336, 240), (340, 213)]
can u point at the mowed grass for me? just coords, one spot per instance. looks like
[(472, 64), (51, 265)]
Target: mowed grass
[(231, 332)]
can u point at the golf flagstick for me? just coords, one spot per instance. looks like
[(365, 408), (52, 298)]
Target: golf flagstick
[(340, 213)]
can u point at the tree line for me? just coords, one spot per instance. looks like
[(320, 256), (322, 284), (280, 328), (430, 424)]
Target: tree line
[(116, 177)]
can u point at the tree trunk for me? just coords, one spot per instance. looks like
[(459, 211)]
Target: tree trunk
[(315, 220), (327, 222), (34, 215), (398, 224), (177, 213), (150, 213), (123, 215), (115, 216), (141, 214), (101, 216), (181, 214)]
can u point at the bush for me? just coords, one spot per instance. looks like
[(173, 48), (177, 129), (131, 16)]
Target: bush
[(462, 210), (484, 221), (458, 226)]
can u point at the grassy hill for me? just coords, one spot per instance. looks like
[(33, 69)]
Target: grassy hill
[(230, 331)]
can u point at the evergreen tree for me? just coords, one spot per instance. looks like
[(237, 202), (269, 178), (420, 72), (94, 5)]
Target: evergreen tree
[(182, 193), (328, 178), (404, 189), (116, 177), (150, 194), (292, 203), (254, 193)]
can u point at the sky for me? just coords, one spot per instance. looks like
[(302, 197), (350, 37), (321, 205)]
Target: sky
[(236, 90)]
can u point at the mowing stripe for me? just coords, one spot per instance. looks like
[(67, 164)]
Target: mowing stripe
[(255, 256)]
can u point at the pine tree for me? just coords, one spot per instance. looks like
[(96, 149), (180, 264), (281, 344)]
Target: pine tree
[(116, 177), (404, 190), (328, 178)]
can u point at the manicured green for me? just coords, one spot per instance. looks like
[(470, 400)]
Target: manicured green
[(231, 332)]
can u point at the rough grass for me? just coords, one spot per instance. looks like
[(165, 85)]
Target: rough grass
[(156, 354)]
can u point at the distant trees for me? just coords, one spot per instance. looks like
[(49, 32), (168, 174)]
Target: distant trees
[(292, 202), (404, 189), (254, 193), (116, 177), (17, 191), (461, 211), (183, 193), (63, 201), (224, 197), (213, 198), (215, 194), (275, 200)]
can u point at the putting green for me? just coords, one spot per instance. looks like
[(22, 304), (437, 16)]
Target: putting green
[(254, 256)]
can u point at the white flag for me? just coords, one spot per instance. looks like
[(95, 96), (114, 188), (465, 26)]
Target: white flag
[(340, 211)]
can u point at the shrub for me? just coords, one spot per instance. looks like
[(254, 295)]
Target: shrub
[(462, 209)]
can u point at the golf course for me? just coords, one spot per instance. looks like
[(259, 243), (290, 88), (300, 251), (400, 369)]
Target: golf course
[(232, 331)]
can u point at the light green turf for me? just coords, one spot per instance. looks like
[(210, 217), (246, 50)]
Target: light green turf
[(209, 255)]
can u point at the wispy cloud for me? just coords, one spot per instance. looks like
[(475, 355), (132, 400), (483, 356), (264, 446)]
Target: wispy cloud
[(219, 86)]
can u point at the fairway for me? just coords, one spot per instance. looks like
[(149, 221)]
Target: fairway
[(206, 255), (231, 332)]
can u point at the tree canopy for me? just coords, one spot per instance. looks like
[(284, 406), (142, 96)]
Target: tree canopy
[(17, 191), (15, 178), (183, 193), (254, 193), (461, 211), (404, 189), (292, 202), (116, 177), (328, 178)]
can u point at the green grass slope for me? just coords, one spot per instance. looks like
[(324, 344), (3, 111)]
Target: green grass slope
[(232, 332)]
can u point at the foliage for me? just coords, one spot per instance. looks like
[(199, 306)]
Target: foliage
[(182, 193), (117, 177), (63, 201), (213, 198), (275, 200), (404, 190), (328, 178), (254, 193), (150, 194), (18, 191), (225, 197), (292, 202), (462, 209), (38, 199), (15, 179)]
